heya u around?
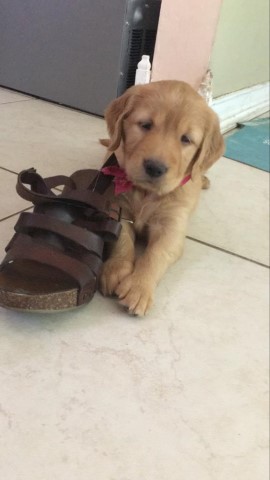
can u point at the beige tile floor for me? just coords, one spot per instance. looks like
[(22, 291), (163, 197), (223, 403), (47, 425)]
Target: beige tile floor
[(181, 394)]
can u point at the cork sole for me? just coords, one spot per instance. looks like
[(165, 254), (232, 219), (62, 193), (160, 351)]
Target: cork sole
[(32, 287)]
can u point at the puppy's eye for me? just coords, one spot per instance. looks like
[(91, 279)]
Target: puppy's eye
[(185, 139), (146, 125)]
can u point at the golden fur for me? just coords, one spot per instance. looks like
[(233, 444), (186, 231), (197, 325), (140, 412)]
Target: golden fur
[(167, 121)]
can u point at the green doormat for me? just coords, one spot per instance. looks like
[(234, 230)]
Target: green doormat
[(250, 144)]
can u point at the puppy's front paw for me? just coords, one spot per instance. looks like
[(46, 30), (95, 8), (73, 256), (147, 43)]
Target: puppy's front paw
[(135, 295), (113, 272)]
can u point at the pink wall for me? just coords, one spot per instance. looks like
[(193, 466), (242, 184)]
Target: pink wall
[(185, 38)]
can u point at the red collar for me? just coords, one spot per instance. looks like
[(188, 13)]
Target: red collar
[(122, 184)]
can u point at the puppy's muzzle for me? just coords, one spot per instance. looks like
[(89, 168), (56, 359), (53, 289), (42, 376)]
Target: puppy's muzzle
[(154, 168)]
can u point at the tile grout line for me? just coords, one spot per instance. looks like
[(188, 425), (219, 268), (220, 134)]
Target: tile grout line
[(189, 238), (17, 101), (52, 102), (228, 252), (7, 170), (16, 213)]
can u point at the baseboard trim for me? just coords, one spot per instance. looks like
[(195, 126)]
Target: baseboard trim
[(242, 105)]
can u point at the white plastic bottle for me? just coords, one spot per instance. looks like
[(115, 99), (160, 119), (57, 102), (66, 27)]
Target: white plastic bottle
[(143, 72)]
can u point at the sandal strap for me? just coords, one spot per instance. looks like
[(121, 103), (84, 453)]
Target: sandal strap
[(109, 228), (80, 236), (40, 187), (87, 197), (84, 273), (102, 182), (40, 193), (93, 261)]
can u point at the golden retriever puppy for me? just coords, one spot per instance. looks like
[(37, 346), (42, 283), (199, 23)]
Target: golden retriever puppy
[(165, 137)]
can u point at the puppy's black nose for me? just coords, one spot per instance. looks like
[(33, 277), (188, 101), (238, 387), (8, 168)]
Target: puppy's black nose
[(154, 168)]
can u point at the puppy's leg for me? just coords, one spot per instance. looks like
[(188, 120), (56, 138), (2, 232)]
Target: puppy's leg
[(164, 248), (121, 261)]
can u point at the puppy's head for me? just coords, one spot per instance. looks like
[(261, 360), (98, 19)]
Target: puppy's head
[(163, 131)]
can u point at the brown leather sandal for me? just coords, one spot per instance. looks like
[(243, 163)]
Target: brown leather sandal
[(54, 259)]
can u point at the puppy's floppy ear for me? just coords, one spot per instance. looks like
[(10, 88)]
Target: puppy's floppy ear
[(211, 149), (115, 114)]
